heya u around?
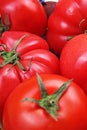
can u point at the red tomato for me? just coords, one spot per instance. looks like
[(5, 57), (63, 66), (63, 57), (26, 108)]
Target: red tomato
[(73, 60), (27, 108), (24, 15), (31, 55), (49, 7), (68, 19)]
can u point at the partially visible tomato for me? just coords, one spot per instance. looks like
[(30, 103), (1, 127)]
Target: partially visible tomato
[(36, 105), (68, 19), (23, 15), (49, 6), (20, 61), (73, 60)]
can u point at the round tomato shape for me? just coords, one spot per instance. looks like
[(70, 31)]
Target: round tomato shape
[(23, 15), (48, 102), (68, 19), (21, 56), (73, 60)]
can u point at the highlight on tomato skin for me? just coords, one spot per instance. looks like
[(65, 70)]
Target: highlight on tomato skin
[(25, 105)]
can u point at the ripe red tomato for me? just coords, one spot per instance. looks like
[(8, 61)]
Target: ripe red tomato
[(49, 7), (69, 111), (24, 15), (73, 60), (68, 19), (22, 61)]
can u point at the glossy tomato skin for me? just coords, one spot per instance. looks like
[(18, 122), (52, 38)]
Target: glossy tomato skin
[(24, 15), (68, 19), (31, 41), (73, 60), (34, 57), (72, 107)]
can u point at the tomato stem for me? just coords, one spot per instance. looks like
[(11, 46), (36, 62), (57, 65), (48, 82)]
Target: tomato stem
[(80, 24), (49, 102), (3, 27), (12, 57), (42, 88), (70, 37)]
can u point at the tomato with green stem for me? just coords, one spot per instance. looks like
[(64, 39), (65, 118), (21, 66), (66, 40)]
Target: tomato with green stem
[(48, 102), (68, 19), (23, 15), (23, 54)]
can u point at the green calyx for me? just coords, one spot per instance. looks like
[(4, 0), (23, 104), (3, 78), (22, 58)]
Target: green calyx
[(3, 27), (49, 102), (12, 57)]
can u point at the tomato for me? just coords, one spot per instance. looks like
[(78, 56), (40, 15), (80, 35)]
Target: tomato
[(73, 60), (23, 15), (21, 59), (68, 19), (49, 6), (46, 104)]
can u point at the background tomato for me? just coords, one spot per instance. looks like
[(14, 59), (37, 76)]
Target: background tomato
[(30, 56), (24, 15), (49, 6), (68, 19), (72, 112), (73, 60)]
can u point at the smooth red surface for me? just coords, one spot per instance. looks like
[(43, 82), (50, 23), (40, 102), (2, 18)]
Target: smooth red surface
[(73, 60)]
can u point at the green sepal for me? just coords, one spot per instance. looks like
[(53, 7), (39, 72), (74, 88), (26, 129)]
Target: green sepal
[(50, 102)]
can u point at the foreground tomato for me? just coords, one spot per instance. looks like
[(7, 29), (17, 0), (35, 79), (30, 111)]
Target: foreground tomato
[(23, 15), (67, 20), (22, 60), (55, 107), (74, 55)]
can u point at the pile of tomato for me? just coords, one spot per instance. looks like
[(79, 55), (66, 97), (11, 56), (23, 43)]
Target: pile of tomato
[(43, 65)]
